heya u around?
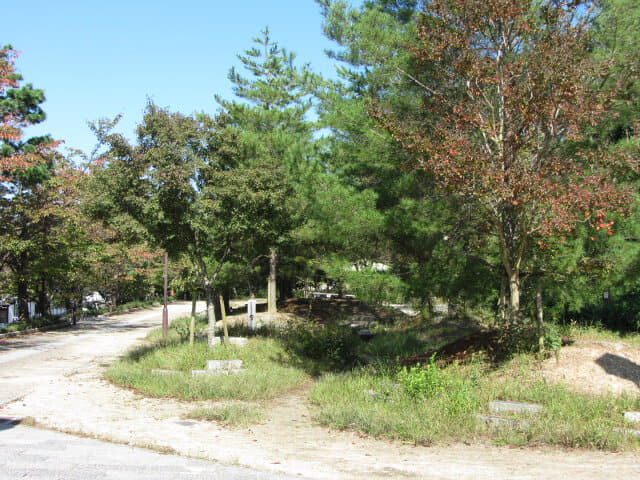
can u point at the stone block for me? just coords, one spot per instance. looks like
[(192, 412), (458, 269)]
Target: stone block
[(160, 372), (238, 341), (632, 417), (502, 423), (224, 364), (514, 407), (232, 371)]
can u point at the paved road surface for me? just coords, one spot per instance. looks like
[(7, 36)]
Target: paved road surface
[(36, 359), (41, 454), (30, 360)]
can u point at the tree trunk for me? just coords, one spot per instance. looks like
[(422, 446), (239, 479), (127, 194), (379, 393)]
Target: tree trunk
[(43, 302), (23, 300), (514, 297), (226, 295), (217, 306), (271, 287), (502, 300), (539, 315), (194, 300), (211, 313)]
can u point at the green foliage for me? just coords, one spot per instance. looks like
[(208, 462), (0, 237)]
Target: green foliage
[(237, 415), (268, 371), (420, 381), (369, 284), (333, 344)]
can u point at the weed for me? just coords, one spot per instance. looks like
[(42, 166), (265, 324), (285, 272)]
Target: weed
[(233, 414)]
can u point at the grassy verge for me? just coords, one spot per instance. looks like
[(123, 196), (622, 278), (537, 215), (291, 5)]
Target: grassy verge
[(268, 371), (434, 404)]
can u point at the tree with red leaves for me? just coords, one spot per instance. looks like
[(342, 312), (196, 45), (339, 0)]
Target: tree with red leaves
[(508, 91)]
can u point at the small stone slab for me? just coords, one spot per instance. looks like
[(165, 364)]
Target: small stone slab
[(213, 341), (514, 407), (365, 334), (632, 417), (224, 364), (500, 422), (160, 372), (233, 371), (238, 341), (628, 432)]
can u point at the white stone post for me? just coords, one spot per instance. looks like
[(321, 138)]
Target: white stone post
[(251, 314)]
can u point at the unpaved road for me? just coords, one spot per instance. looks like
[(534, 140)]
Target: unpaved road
[(65, 391)]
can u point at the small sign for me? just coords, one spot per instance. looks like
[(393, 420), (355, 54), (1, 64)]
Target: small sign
[(605, 295)]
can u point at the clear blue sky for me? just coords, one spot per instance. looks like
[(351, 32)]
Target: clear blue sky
[(98, 59)]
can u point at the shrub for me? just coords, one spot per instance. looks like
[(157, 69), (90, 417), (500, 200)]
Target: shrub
[(334, 343), (420, 382)]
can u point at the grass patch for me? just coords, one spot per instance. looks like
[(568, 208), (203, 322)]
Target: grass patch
[(268, 373), (429, 404), (237, 414)]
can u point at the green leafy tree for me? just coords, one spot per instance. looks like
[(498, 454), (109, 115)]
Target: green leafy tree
[(182, 184), (270, 115)]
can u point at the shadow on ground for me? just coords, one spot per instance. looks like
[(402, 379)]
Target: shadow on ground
[(620, 367)]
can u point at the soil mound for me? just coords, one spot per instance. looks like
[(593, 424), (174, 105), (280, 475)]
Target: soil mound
[(461, 350)]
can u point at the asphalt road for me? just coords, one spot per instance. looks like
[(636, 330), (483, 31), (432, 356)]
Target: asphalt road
[(30, 360), (41, 454), (36, 359)]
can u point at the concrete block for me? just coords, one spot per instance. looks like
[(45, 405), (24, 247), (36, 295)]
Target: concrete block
[(238, 341), (632, 417), (160, 372), (514, 407), (223, 364)]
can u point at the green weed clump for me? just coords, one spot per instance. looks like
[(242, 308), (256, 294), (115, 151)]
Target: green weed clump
[(236, 415)]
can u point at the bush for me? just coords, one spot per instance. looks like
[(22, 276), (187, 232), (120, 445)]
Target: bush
[(334, 343), (420, 382)]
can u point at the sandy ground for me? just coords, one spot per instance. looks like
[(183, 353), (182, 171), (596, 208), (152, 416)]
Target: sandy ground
[(78, 400)]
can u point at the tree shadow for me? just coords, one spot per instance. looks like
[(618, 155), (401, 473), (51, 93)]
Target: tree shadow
[(620, 367), (8, 423)]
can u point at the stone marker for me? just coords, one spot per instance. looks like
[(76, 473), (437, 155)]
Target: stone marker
[(632, 417), (365, 334), (196, 373), (251, 314), (165, 372), (499, 422), (238, 341), (514, 407), (223, 364)]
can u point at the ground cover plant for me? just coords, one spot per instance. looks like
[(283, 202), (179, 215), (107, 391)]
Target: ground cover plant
[(267, 370), (449, 401)]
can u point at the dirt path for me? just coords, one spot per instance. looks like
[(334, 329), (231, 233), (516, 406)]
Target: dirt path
[(79, 401)]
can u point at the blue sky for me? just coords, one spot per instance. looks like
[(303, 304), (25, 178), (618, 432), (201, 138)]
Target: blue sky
[(99, 59)]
